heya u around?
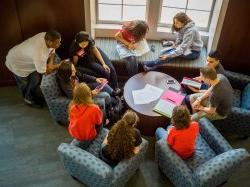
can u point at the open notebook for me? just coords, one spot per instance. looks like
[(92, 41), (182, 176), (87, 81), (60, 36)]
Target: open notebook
[(168, 100), (141, 48), (191, 82)]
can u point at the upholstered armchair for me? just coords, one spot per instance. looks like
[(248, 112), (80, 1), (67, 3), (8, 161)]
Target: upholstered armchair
[(238, 121), (86, 166), (214, 160), (56, 101)]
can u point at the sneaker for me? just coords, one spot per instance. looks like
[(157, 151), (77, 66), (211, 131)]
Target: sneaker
[(28, 102)]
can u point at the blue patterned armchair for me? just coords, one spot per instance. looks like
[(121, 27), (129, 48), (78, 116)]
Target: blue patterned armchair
[(214, 160), (238, 121), (86, 166), (56, 101)]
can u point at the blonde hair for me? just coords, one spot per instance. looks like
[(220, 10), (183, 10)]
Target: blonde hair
[(81, 95)]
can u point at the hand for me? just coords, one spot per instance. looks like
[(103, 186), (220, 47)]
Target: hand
[(196, 104), (95, 92), (101, 80), (106, 67), (163, 57), (197, 78), (131, 46)]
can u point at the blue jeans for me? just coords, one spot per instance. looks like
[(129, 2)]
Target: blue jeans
[(191, 56), (30, 86), (162, 133), (98, 68)]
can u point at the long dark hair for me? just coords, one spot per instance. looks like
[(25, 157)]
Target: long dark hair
[(136, 28), (83, 36), (181, 17), (121, 137), (64, 71)]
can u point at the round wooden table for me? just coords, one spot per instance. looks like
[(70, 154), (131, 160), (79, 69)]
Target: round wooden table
[(149, 120)]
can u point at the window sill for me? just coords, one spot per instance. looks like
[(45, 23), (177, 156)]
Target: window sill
[(109, 30)]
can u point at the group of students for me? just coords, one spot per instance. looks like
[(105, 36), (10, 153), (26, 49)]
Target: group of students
[(36, 56)]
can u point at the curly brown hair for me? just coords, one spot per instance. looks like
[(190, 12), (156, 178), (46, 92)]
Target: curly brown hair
[(137, 28), (121, 137), (181, 117)]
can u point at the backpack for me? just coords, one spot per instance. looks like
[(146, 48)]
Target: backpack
[(115, 109)]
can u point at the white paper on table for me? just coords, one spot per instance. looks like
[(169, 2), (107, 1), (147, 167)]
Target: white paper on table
[(146, 95)]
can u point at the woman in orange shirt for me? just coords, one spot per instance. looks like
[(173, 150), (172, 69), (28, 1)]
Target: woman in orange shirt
[(84, 115), (182, 134)]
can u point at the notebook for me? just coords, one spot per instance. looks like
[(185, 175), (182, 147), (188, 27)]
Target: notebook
[(141, 48), (191, 82), (168, 100)]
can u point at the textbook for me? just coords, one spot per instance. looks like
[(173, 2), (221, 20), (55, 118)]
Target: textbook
[(168, 100), (191, 82), (141, 48)]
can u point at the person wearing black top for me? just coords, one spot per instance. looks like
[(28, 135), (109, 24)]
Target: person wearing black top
[(84, 53), (123, 140)]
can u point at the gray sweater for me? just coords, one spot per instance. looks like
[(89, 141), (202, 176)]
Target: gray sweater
[(187, 38)]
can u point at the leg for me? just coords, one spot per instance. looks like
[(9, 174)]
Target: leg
[(160, 133), (193, 55), (113, 75), (98, 69), (22, 83), (131, 65), (33, 92)]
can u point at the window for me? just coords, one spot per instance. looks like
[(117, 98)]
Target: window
[(116, 11), (200, 11)]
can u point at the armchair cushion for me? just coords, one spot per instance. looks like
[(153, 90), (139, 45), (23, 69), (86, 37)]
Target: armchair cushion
[(202, 154), (245, 101), (236, 97), (218, 169)]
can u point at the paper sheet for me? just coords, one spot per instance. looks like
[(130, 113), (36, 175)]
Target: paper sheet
[(146, 95)]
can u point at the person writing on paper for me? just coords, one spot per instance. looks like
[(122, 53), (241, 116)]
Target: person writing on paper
[(129, 37), (188, 42), (212, 104), (84, 53), (213, 61), (182, 134), (122, 141), (85, 117), (29, 60)]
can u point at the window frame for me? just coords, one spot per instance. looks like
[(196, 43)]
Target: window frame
[(117, 22), (199, 28)]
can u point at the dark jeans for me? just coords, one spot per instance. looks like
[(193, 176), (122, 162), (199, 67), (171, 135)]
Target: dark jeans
[(131, 65), (98, 68), (30, 86), (191, 56)]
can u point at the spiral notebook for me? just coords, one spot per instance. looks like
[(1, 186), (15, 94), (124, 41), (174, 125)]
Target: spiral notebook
[(168, 100)]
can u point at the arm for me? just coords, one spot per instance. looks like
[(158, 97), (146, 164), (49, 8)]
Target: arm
[(75, 59), (51, 66), (100, 59)]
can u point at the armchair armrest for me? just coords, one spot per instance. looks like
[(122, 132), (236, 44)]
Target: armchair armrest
[(84, 166), (125, 169), (238, 121), (217, 170), (172, 165), (237, 80), (213, 137), (58, 107)]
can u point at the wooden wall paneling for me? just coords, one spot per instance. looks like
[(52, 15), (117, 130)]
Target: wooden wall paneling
[(10, 35), (235, 37), (40, 15)]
